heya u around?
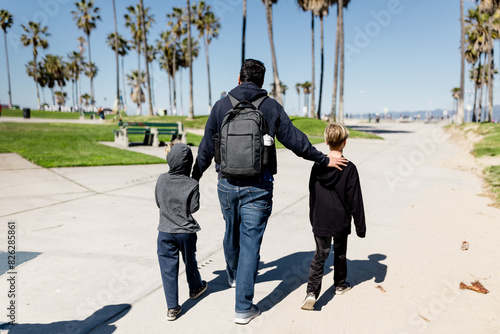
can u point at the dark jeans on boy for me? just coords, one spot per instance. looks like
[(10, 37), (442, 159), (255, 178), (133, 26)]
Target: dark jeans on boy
[(246, 207), (169, 246), (323, 246)]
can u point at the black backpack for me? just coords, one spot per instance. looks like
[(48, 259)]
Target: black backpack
[(239, 147)]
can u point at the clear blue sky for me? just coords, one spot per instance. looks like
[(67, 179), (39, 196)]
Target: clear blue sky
[(402, 54)]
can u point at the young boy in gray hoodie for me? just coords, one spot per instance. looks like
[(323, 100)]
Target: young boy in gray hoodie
[(177, 196)]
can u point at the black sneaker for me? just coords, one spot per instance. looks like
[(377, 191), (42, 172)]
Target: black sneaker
[(342, 288), (198, 292), (308, 303), (172, 313)]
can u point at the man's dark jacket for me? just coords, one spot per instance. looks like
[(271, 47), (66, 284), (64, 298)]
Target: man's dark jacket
[(277, 119), (334, 198)]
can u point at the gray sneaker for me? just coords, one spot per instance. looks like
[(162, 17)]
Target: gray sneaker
[(342, 288), (308, 303), (243, 318), (231, 282), (172, 313)]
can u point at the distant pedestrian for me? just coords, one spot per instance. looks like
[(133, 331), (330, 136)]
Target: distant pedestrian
[(334, 199), (177, 196)]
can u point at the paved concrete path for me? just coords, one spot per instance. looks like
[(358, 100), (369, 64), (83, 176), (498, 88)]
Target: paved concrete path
[(86, 238)]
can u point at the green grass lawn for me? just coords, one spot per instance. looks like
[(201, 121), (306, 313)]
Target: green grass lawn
[(43, 114), (488, 146), (66, 145)]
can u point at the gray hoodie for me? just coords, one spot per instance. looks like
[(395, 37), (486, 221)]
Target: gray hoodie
[(177, 195)]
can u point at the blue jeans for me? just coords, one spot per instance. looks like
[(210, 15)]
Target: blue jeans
[(246, 207), (169, 246)]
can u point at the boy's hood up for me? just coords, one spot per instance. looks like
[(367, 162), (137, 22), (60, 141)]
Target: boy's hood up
[(180, 160)]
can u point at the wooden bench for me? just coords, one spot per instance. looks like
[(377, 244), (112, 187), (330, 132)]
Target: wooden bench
[(151, 132)]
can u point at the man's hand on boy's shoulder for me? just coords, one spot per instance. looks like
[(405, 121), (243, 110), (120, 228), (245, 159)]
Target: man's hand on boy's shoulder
[(337, 162)]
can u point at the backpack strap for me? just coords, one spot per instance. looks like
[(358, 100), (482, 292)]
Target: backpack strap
[(233, 100), (259, 101)]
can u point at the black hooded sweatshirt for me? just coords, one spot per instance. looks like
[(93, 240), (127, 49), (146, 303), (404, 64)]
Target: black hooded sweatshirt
[(177, 195), (334, 198), (277, 119)]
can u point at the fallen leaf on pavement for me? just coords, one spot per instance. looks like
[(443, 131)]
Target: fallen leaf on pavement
[(380, 288), (475, 286)]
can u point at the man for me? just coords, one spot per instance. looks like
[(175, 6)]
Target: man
[(246, 204)]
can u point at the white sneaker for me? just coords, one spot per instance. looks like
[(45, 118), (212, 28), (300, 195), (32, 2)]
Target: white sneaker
[(308, 303), (243, 318)]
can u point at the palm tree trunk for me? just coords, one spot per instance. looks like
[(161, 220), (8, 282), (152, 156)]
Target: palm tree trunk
[(169, 90), (208, 74), (333, 113), (244, 31), (117, 61), (298, 105), (53, 98), (321, 71), (174, 111), (124, 94), (8, 68), (490, 83), (460, 111), (313, 105), (145, 44), (481, 76), (180, 92), (475, 102), (341, 70), (269, 16), (190, 58), (91, 76), (36, 83)]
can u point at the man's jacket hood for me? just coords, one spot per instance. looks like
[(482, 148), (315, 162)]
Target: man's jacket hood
[(247, 91), (180, 160)]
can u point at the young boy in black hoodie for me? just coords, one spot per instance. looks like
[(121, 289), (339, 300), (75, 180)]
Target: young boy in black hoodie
[(177, 195), (334, 198)]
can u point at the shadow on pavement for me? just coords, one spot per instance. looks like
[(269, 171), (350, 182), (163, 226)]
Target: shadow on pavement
[(76, 326), (375, 130), (292, 270), (20, 258), (359, 271)]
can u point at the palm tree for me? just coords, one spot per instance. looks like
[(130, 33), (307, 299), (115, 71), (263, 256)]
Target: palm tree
[(61, 98), (31, 69), (306, 86), (116, 57), (75, 67), (137, 80), (6, 21), (35, 35), (339, 53), (146, 57), (268, 4), (455, 93), (190, 59), (86, 16), (85, 97), (91, 70), (55, 68), (490, 8), (167, 46), (121, 47), (474, 76), (460, 111), (208, 27), (297, 88), (176, 25), (244, 31)]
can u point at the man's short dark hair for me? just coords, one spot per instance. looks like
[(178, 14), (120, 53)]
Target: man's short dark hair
[(253, 71)]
